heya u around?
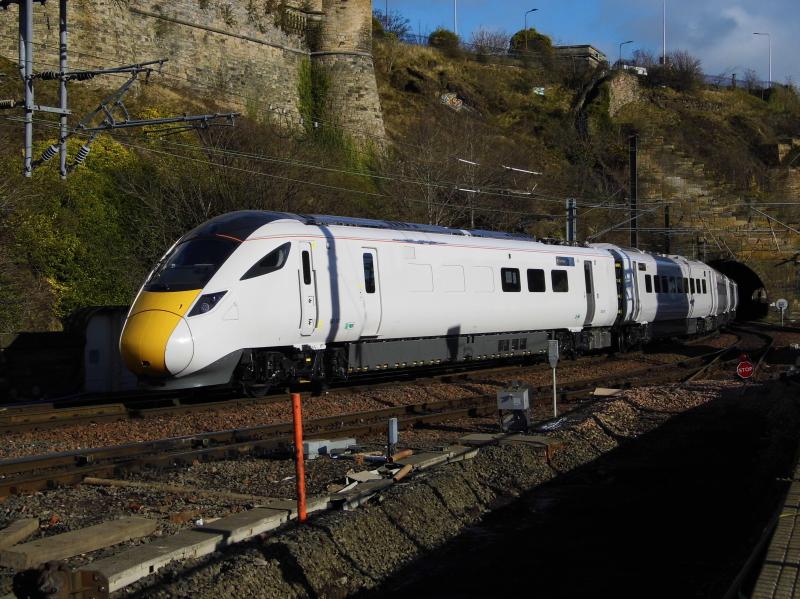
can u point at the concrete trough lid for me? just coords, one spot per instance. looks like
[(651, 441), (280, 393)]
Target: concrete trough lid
[(481, 439), (604, 392), (313, 448)]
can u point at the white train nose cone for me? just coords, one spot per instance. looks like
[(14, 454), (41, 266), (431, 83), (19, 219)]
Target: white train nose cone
[(180, 349)]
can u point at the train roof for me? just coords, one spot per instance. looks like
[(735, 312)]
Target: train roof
[(241, 224)]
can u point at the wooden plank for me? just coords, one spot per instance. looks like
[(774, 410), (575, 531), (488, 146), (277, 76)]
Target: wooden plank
[(17, 531), (424, 460), (137, 562), (360, 494), (244, 525), (70, 544)]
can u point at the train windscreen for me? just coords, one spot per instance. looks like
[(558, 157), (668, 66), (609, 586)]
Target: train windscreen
[(191, 264)]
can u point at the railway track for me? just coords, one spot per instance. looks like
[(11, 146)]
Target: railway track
[(21, 418), (37, 473)]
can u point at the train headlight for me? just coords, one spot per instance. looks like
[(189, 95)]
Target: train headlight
[(206, 303)]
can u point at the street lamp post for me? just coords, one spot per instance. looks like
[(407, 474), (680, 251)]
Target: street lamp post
[(526, 25), (455, 17), (769, 39), (664, 55), (620, 51)]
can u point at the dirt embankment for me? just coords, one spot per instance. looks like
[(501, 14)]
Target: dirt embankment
[(343, 553)]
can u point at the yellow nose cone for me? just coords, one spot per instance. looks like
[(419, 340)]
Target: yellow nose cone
[(144, 341), (153, 319)]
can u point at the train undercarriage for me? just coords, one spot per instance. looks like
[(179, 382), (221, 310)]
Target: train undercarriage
[(260, 370)]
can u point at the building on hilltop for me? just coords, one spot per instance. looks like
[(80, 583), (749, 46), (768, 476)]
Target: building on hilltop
[(587, 54)]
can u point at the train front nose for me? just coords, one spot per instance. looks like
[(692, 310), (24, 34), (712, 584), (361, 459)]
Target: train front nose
[(157, 340)]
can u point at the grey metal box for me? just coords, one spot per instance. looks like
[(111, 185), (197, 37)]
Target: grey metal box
[(514, 399)]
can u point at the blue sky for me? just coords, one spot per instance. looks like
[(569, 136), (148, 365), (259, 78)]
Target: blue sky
[(719, 32)]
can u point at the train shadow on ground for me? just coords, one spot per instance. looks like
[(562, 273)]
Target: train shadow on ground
[(674, 513)]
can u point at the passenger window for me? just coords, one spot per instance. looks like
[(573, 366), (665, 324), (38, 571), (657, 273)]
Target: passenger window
[(648, 283), (672, 287), (269, 263), (658, 283), (560, 281), (664, 285), (369, 273), (306, 268), (685, 285), (536, 282), (587, 275), (510, 279), (691, 283), (697, 281), (705, 289)]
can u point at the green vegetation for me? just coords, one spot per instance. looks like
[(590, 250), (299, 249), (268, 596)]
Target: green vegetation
[(91, 239)]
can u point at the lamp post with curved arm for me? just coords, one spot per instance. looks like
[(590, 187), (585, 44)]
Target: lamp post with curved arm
[(526, 25)]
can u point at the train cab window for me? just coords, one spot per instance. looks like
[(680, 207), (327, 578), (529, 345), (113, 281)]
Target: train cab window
[(664, 284), (369, 273), (560, 281), (648, 283), (191, 264), (673, 288), (509, 277), (691, 284), (269, 263), (306, 268), (705, 289), (536, 282), (657, 280)]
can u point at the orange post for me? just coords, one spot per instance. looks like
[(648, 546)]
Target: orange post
[(300, 470)]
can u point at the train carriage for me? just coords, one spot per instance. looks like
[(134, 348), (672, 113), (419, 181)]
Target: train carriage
[(261, 298)]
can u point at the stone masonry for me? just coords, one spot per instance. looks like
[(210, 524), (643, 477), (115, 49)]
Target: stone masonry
[(725, 226), (243, 56)]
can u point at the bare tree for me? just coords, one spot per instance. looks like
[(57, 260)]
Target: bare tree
[(393, 23), (490, 41)]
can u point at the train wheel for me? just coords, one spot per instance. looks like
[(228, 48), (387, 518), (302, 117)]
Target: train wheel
[(255, 390)]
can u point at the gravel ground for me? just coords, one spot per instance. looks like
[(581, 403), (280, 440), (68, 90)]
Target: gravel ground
[(69, 438), (340, 554), (73, 508)]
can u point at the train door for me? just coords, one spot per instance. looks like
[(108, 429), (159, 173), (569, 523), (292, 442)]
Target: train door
[(371, 293), (637, 304), (308, 291), (588, 275)]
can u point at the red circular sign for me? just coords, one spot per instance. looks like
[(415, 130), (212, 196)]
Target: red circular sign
[(745, 370)]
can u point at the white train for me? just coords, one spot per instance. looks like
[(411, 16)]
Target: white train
[(262, 298)]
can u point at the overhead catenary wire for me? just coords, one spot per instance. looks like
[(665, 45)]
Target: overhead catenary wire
[(301, 122)]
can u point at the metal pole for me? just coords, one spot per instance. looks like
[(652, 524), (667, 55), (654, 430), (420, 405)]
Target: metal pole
[(571, 209), (667, 238), (26, 15), (455, 17), (634, 192), (299, 465), (555, 396), (526, 25), (769, 37), (62, 27), (665, 34)]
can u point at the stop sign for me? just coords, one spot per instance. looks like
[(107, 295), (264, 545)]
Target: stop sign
[(745, 369)]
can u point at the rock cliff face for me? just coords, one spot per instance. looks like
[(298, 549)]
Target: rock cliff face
[(244, 55)]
